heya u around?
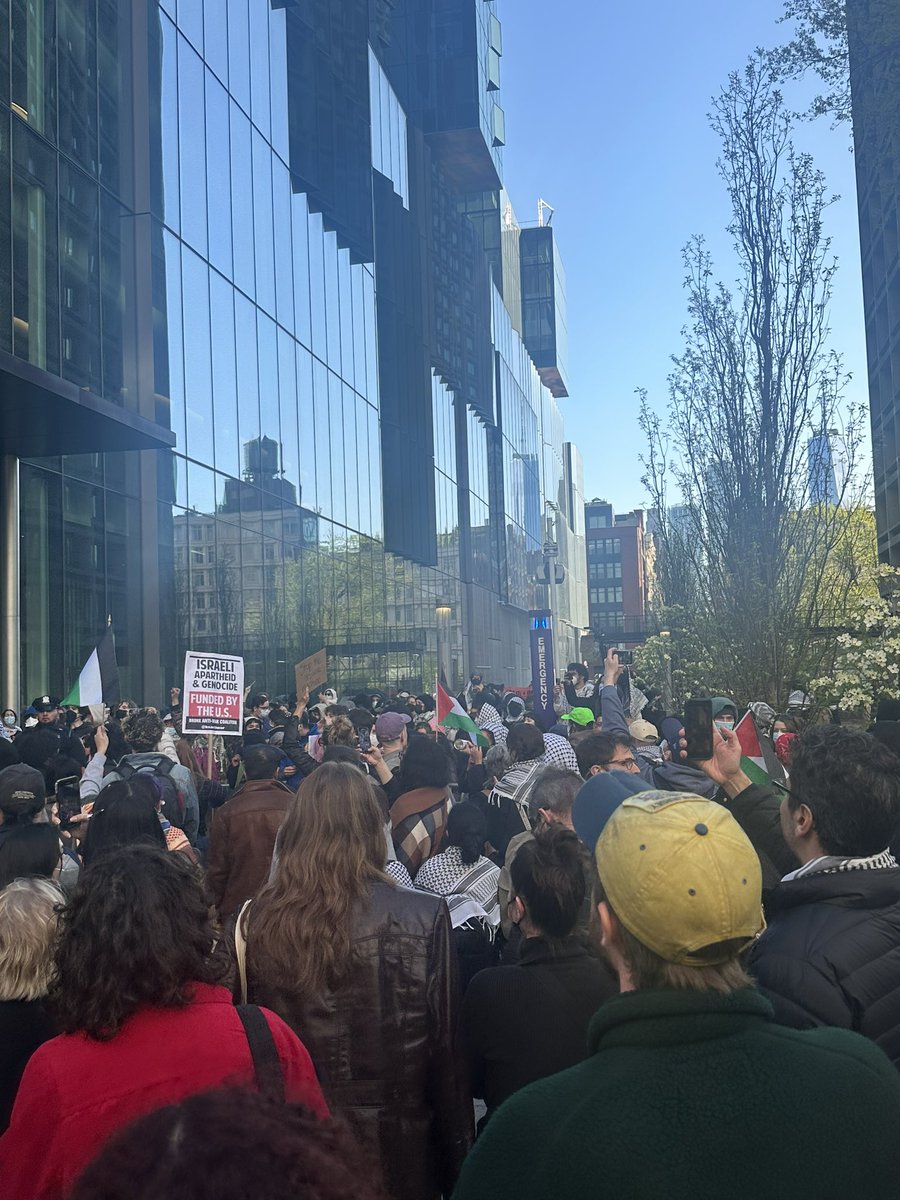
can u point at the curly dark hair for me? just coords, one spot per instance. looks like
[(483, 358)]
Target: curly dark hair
[(143, 729), (230, 1144), (135, 932), (850, 784)]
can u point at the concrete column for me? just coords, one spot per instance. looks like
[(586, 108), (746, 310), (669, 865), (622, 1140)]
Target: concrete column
[(10, 625)]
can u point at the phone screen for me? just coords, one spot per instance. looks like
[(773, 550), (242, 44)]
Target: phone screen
[(68, 800), (698, 729), (365, 740)]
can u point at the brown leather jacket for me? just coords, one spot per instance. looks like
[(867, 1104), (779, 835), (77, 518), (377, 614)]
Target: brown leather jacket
[(241, 842), (384, 1042)]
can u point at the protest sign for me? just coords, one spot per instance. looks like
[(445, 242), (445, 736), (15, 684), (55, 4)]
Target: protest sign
[(213, 696), (311, 673)]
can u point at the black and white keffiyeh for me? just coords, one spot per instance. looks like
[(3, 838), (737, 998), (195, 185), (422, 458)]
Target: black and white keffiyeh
[(831, 864), (446, 875), (558, 752)]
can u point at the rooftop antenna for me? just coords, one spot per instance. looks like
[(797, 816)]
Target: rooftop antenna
[(543, 209)]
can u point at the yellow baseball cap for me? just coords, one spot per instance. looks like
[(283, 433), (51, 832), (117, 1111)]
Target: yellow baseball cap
[(681, 875)]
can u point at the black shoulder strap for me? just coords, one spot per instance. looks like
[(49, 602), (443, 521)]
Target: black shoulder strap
[(266, 1063)]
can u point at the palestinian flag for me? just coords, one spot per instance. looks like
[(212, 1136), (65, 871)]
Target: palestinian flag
[(451, 715), (98, 682), (758, 760)]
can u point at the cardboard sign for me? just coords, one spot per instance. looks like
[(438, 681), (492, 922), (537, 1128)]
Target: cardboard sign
[(311, 673), (213, 696)]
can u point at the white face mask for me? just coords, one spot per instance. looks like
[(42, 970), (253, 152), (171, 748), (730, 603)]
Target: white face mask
[(264, 712), (9, 720)]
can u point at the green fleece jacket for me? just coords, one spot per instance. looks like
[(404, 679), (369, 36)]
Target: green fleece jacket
[(697, 1096)]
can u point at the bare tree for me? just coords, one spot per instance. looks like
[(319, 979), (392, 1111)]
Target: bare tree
[(746, 556)]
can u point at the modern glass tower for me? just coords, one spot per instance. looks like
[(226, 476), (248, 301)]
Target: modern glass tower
[(263, 350), (874, 31)]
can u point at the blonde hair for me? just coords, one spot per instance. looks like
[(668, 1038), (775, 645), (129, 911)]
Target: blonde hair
[(29, 912)]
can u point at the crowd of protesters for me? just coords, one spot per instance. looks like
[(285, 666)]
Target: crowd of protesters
[(354, 953)]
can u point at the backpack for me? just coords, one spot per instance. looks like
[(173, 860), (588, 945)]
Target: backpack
[(160, 772)]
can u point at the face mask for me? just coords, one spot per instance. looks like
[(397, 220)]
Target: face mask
[(726, 724), (265, 711), (9, 720)]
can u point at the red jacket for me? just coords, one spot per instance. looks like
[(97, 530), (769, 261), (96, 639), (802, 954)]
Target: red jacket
[(77, 1092)]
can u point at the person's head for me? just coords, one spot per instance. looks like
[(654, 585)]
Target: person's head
[(845, 794), (391, 730), (261, 762), (605, 752), (125, 814), (547, 884), (22, 794), (29, 913), (9, 755), (340, 732), (135, 932), (551, 798), (142, 729), (329, 854), (497, 761), (785, 723), (580, 722), (229, 1143), (188, 758), (259, 704), (10, 718), (467, 829), (252, 725), (332, 712), (644, 733), (525, 743), (39, 747), (60, 766), (724, 712), (30, 851), (425, 764), (46, 709), (679, 894), (577, 672)]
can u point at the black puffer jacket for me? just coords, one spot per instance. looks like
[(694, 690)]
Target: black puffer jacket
[(831, 954)]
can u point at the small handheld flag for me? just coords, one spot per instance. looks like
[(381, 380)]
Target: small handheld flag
[(451, 715), (758, 760), (98, 682)]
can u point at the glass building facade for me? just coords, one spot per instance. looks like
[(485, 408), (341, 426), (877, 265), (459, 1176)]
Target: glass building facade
[(288, 254)]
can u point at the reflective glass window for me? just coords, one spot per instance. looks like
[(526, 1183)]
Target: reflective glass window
[(6, 326), (290, 426), (358, 305), (175, 347), (317, 285), (77, 70), (259, 65), (269, 419), (224, 365), (307, 427), (278, 78), (169, 188), (35, 275), (332, 303), (192, 146), (338, 471), (284, 264), (116, 312), (215, 30), (345, 310), (198, 356), (263, 224), (322, 438), (351, 466), (218, 175), (299, 226), (79, 269), (33, 64), (247, 368), (242, 201), (239, 52)]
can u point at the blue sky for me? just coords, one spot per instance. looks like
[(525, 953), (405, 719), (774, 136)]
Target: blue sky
[(606, 109)]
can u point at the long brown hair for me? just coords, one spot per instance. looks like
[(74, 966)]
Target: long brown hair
[(330, 851)]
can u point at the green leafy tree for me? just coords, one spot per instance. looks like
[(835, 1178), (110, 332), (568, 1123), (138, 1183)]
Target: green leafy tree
[(819, 46)]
